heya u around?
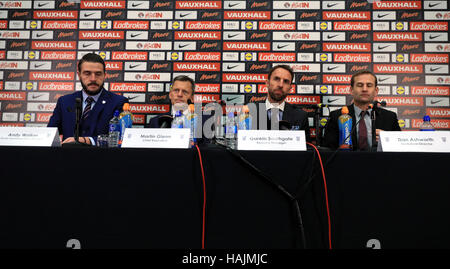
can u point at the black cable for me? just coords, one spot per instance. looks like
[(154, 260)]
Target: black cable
[(236, 154)]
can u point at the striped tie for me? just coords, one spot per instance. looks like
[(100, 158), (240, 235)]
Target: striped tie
[(87, 109)]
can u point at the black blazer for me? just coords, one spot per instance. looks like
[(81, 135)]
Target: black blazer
[(294, 115), (384, 119)]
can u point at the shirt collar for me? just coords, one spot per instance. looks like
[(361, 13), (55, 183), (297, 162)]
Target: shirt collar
[(358, 111), (275, 105), (95, 97)]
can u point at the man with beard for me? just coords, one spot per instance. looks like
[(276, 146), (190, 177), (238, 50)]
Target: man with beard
[(98, 104), (279, 83)]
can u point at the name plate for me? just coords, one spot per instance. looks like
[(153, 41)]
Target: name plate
[(271, 140), (414, 141), (30, 136), (156, 138)]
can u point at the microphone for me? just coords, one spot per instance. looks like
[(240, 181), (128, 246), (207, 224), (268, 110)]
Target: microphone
[(78, 107), (374, 104), (165, 121), (285, 125)]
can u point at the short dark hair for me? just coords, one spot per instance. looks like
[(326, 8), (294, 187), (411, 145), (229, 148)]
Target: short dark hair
[(363, 72), (185, 78), (91, 58), (284, 66)]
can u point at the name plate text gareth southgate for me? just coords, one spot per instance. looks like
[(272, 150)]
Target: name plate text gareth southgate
[(156, 138), (271, 140), (30, 136), (414, 141)]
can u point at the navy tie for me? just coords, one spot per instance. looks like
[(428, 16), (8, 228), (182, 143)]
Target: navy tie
[(87, 109)]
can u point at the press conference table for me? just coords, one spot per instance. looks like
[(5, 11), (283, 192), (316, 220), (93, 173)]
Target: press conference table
[(153, 199)]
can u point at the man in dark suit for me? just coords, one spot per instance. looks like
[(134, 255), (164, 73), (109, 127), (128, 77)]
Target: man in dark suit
[(364, 90), (181, 94), (98, 104), (279, 83)]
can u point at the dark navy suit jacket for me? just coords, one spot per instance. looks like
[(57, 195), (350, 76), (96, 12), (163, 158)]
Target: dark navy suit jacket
[(97, 121), (385, 120)]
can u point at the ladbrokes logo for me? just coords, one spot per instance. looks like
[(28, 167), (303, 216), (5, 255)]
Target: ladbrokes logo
[(128, 87), (430, 90), (179, 35), (129, 56), (12, 96), (342, 89), (277, 25), (202, 56), (56, 86), (353, 57), (397, 68), (203, 25), (429, 58), (101, 35), (52, 76), (60, 25), (437, 124), (251, 46), (55, 14), (247, 15), (60, 45), (277, 57), (394, 5), (136, 108), (58, 55), (428, 26), (85, 4), (198, 4), (387, 36), (207, 88), (346, 47), (334, 79), (131, 25), (233, 77), (43, 117), (439, 112), (352, 26), (402, 101), (346, 15)]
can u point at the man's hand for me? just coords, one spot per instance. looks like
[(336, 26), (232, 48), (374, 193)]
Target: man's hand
[(85, 140), (377, 133)]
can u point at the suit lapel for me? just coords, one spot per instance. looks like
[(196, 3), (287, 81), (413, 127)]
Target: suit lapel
[(351, 112)]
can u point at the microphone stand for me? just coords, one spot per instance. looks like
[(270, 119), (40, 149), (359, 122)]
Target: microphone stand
[(77, 142), (374, 137), (317, 126)]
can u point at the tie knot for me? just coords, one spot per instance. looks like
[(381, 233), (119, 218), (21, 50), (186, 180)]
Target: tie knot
[(89, 100), (363, 113)]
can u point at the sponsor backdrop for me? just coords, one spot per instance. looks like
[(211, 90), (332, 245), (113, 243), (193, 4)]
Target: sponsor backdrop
[(227, 47)]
